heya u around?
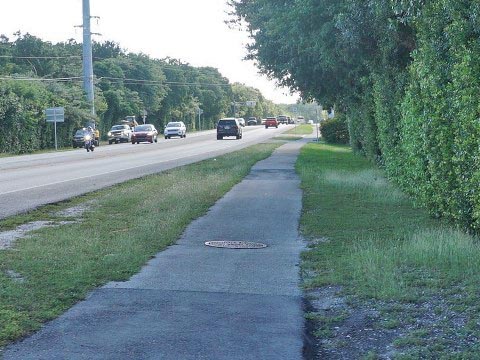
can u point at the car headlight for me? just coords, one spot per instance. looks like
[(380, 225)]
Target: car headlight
[(109, 133)]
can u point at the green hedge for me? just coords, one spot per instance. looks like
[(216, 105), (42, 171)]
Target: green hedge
[(335, 131), (441, 111), (420, 118)]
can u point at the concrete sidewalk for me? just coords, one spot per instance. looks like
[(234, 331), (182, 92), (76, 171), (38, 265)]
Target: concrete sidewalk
[(196, 302)]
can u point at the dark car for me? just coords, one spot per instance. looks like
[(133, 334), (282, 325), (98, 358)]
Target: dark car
[(228, 127), (79, 137), (282, 119), (144, 133), (252, 121)]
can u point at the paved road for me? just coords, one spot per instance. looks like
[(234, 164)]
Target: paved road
[(197, 302), (29, 181)]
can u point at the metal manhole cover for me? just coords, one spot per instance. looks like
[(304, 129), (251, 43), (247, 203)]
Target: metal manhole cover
[(235, 244)]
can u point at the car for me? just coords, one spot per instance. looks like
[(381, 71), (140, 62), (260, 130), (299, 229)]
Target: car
[(271, 122), (175, 128), (78, 139), (144, 133), (229, 127), (119, 133), (282, 119), (252, 121), (290, 120), (241, 121)]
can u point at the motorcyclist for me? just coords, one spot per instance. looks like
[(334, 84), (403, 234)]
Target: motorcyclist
[(90, 139)]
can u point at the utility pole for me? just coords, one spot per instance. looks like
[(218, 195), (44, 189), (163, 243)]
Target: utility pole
[(87, 56), (199, 112)]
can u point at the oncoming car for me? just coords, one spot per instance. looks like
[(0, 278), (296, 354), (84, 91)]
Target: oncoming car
[(175, 128), (144, 133), (79, 138), (241, 121), (119, 133)]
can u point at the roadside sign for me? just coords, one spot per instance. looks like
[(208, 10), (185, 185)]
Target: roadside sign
[(250, 103), (56, 114)]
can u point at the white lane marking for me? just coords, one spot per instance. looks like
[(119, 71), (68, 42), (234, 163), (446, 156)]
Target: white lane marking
[(216, 148), (95, 175)]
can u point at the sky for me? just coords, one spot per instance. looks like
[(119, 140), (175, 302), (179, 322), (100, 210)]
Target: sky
[(193, 31)]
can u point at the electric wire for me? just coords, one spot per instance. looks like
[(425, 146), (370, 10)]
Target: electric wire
[(65, 79), (119, 80), (39, 57), (125, 81)]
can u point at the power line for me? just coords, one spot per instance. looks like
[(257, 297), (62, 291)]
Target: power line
[(65, 79), (39, 57), (159, 82), (122, 80), (162, 65)]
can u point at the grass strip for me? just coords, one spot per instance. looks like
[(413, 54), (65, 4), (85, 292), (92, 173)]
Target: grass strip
[(288, 138), (127, 226), (303, 129), (366, 236)]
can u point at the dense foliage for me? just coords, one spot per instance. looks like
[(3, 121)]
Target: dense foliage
[(406, 73), (335, 131), (35, 75)]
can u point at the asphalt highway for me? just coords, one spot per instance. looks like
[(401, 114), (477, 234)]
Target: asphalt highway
[(29, 181)]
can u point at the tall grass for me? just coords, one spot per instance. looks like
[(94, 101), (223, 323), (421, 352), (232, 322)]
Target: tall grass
[(379, 245)]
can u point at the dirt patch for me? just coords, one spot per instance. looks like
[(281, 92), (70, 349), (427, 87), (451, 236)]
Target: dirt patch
[(16, 277), (75, 211), (8, 238), (343, 327), (344, 330)]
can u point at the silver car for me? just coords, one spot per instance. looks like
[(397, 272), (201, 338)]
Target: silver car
[(175, 128), (119, 133)]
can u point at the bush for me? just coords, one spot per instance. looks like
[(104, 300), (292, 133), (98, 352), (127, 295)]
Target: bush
[(335, 131)]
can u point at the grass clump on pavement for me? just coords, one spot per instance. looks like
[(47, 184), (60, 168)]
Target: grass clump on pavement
[(389, 257), (127, 225)]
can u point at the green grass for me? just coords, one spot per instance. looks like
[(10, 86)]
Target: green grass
[(380, 248), (304, 129), (287, 138), (43, 151), (128, 225)]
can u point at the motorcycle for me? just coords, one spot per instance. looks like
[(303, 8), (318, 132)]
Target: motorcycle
[(89, 143)]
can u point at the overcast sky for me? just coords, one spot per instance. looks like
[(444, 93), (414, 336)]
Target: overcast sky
[(191, 30)]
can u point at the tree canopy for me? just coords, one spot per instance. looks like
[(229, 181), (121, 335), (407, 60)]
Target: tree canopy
[(35, 75), (404, 72)]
